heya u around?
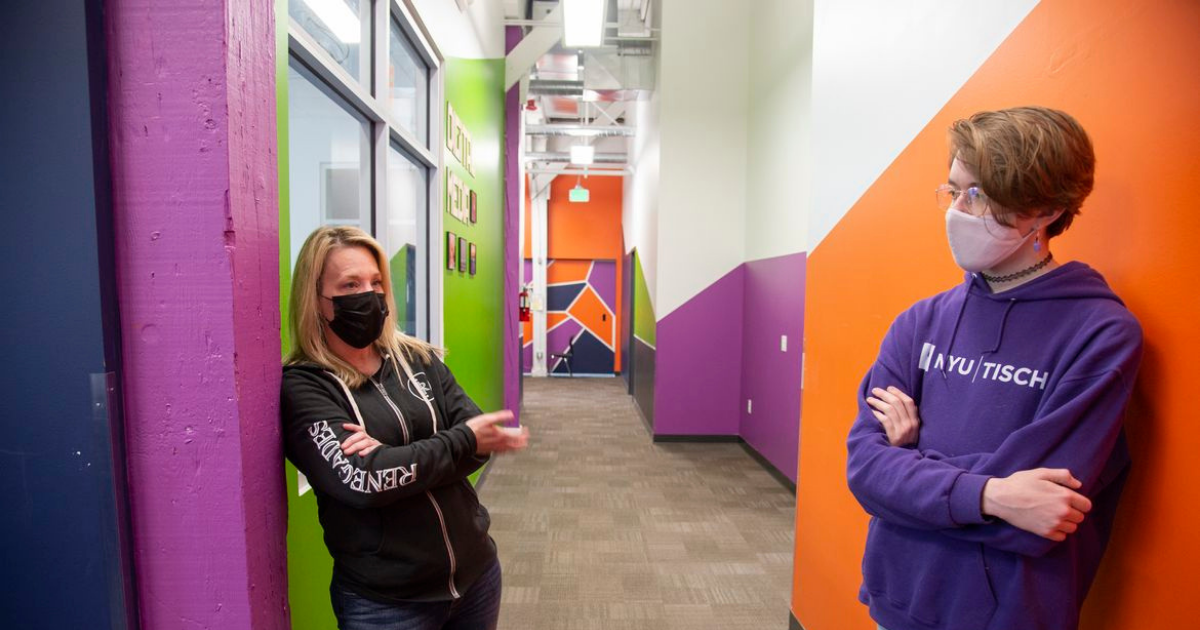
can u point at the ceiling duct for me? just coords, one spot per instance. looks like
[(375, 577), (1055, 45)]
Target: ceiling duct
[(589, 172), (579, 131), (599, 158), (629, 66), (635, 48), (555, 87)]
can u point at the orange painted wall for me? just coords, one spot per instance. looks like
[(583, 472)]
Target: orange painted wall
[(590, 231), (1129, 70)]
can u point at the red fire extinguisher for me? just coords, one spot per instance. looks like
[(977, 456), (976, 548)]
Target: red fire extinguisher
[(526, 315)]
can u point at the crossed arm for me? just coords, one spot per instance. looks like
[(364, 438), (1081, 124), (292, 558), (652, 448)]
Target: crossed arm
[(491, 434), (339, 458), (1042, 501), (1027, 495)]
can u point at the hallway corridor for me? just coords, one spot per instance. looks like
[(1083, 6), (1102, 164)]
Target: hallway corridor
[(598, 527)]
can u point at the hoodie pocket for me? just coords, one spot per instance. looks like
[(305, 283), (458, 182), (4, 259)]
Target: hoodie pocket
[(483, 520), (932, 579), (354, 531)]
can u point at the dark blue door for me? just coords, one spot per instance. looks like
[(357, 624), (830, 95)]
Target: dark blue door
[(64, 544)]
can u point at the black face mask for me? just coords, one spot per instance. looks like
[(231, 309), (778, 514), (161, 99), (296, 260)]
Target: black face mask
[(358, 318)]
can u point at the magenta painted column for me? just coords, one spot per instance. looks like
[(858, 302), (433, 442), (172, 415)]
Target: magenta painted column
[(192, 102), (512, 235)]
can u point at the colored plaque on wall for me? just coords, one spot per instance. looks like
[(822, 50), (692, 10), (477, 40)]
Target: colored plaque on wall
[(458, 139), (457, 197), (451, 128)]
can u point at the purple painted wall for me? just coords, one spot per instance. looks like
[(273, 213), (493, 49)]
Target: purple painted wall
[(557, 340), (512, 236), (192, 102), (699, 362), (774, 306), (603, 279), (723, 347)]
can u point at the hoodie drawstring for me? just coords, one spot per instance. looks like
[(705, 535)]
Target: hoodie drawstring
[(1003, 322), (954, 333)]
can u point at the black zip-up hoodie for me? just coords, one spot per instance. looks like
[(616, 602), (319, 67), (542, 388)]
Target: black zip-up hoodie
[(403, 522)]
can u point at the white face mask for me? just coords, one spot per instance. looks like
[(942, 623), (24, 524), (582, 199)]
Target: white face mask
[(980, 243)]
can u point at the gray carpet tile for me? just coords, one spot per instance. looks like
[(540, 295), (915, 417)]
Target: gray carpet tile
[(599, 527)]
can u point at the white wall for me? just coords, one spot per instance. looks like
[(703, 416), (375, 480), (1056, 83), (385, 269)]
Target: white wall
[(705, 50), (779, 160), (878, 82), (639, 217), (477, 33)]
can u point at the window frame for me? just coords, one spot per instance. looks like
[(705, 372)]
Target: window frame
[(371, 101)]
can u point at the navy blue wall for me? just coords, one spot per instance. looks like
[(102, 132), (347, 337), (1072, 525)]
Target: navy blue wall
[(63, 552)]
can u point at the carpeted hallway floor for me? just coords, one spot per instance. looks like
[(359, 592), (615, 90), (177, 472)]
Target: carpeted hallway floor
[(598, 527)]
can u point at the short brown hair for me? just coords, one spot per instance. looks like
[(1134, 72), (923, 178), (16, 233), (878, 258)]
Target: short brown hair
[(1027, 159)]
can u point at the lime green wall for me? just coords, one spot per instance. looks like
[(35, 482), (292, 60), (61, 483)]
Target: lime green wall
[(309, 564), (399, 270), (474, 316), (281, 152), (643, 311)]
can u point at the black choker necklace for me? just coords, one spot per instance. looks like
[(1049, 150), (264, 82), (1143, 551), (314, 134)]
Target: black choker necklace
[(1022, 273)]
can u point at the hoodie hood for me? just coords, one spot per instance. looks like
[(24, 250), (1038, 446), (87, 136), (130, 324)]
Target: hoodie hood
[(385, 369), (1071, 281)]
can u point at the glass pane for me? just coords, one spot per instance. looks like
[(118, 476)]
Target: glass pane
[(66, 556), (342, 28), (407, 242), (329, 159), (408, 86)]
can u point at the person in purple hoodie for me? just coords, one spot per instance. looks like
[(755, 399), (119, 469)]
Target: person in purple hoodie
[(988, 446)]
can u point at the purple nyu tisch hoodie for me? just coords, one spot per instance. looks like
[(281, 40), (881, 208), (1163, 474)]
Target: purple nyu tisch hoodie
[(1037, 376)]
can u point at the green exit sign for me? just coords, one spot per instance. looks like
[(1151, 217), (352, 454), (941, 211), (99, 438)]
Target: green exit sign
[(580, 194)]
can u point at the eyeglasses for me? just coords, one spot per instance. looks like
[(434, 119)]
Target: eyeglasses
[(976, 202)]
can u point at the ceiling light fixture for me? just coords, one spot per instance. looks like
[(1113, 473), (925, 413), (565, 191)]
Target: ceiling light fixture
[(583, 23), (582, 154)]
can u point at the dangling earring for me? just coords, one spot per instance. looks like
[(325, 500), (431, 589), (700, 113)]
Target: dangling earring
[(1037, 238)]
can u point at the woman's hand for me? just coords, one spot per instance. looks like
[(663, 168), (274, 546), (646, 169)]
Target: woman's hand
[(359, 443), (1042, 501), (492, 437), (897, 412)]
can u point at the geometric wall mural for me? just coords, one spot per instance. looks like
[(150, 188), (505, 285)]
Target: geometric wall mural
[(580, 296)]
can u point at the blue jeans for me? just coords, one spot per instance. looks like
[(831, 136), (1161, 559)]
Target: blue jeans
[(477, 609)]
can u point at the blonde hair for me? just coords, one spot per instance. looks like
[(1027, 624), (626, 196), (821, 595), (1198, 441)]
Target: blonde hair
[(304, 308)]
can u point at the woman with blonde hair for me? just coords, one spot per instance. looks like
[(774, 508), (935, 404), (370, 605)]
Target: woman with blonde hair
[(386, 436)]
